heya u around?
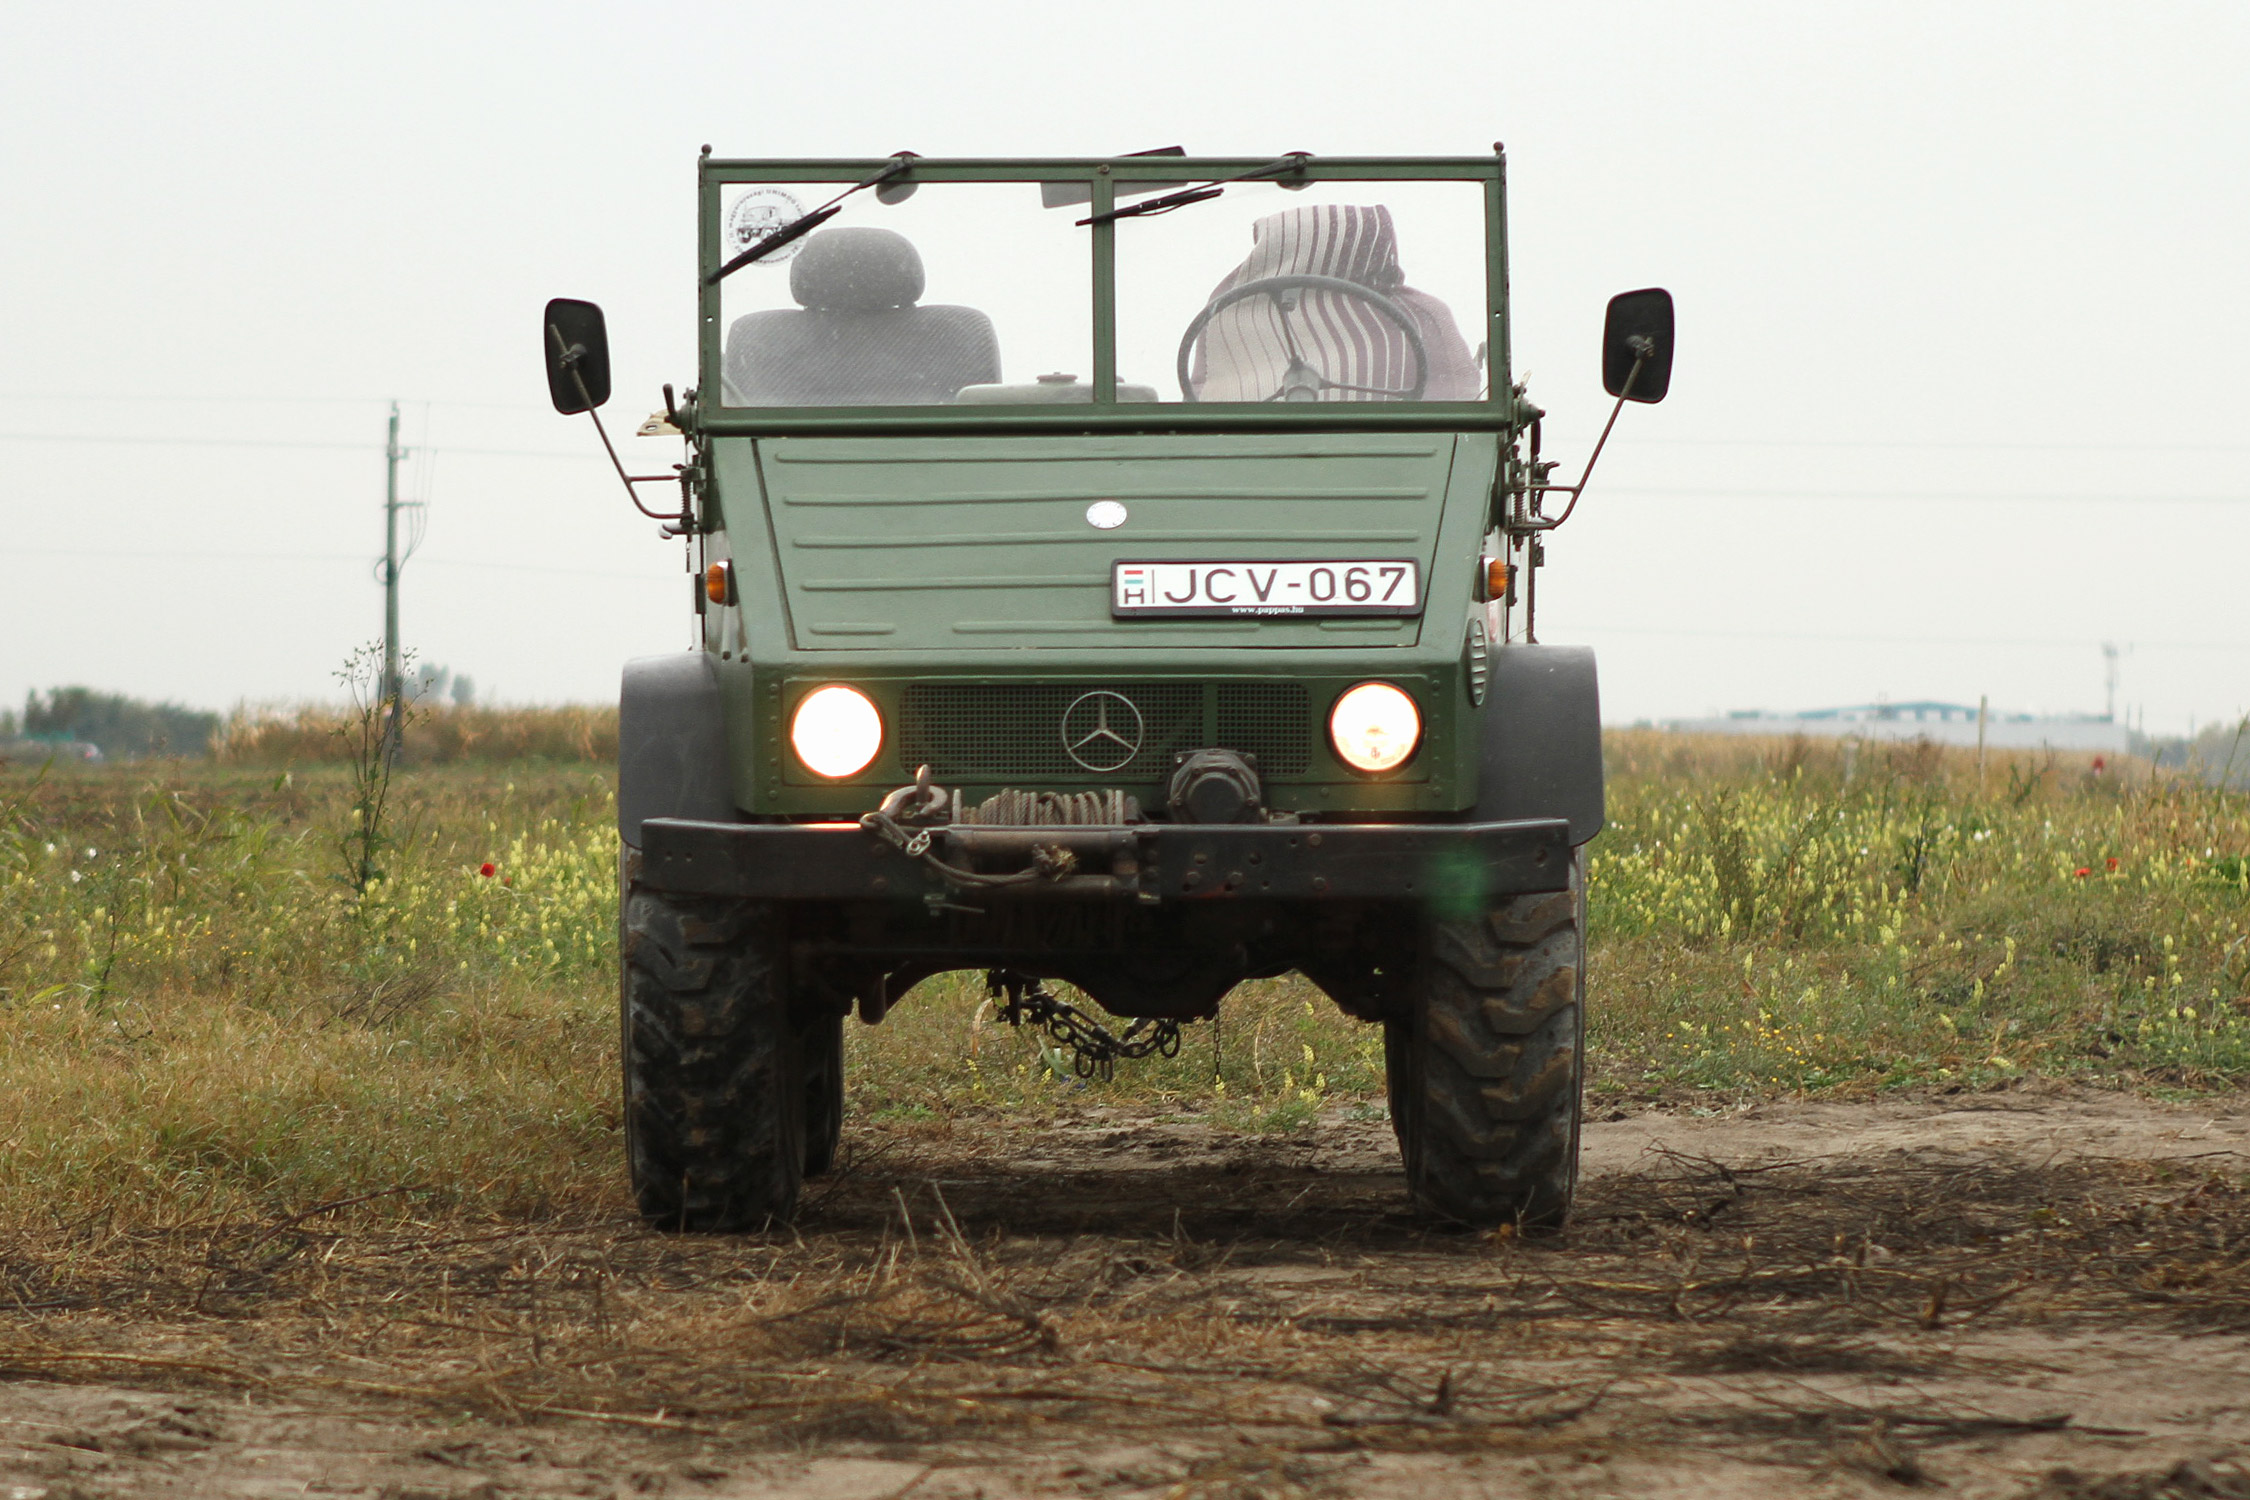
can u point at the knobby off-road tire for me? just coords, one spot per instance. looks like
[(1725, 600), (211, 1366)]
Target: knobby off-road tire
[(1485, 1071), (715, 1097)]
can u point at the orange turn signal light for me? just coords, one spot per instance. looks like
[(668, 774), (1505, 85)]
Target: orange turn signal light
[(1496, 575), (718, 583)]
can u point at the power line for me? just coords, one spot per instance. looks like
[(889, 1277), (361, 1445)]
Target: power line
[(2046, 642), (168, 398), (171, 398), (1948, 497), (106, 439), (1890, 444), (477, 564), (671, 572)]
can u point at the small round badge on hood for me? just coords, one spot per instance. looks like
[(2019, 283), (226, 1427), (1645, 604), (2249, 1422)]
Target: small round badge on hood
[(1105, 515)]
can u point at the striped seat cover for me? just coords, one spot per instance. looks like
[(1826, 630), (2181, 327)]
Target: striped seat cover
[(1244, 355)]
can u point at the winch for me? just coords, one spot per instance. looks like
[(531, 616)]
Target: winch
[(923, 805), (990, 845)]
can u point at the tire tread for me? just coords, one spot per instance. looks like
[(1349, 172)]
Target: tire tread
[(1486, 1073), (713, 1104)]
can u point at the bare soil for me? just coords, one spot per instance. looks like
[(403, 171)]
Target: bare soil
[(2043, 1292)]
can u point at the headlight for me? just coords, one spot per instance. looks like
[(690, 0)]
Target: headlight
[(836, 731), (1374, 727)]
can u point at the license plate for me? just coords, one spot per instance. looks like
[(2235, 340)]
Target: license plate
[(1350, 586)]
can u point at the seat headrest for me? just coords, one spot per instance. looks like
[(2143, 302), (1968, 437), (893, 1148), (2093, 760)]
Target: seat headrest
[(856, 270), (1351, 241)]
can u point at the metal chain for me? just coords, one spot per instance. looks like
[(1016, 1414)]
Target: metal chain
[(1095, 1049)]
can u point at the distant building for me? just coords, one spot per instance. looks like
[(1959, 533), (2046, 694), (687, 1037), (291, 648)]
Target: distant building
[(1940, 723)]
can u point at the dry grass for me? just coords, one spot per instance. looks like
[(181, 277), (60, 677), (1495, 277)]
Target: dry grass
[(318, 734), (939, 1291)]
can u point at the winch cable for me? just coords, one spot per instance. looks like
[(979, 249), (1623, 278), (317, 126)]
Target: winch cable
[(911, 818), (1011, 809)]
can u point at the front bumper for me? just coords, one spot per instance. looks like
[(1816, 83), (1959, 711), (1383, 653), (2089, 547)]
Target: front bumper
[(1153, 864)]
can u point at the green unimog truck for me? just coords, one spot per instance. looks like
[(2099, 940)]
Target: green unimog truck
[(1117, 572)]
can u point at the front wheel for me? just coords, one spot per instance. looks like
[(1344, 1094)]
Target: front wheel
[(715, 1094), (824, 1092), (1486, 1068)]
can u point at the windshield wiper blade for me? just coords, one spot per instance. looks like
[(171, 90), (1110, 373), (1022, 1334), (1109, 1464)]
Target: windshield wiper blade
[(1164, 205), (798, 228)]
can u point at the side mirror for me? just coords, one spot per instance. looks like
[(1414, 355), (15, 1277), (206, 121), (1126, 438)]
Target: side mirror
[(1638, 330), (577, 344)]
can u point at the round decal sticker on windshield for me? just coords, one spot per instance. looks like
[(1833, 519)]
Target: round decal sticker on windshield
[(758, 213)]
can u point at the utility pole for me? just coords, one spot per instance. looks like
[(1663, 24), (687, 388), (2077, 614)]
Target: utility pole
[(1984, 701), (2109, 679), (393, 689)]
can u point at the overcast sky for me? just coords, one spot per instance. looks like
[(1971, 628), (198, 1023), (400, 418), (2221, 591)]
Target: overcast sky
[(1962, 300)]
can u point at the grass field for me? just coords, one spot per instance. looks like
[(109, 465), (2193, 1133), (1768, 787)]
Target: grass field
[(205, 1019)]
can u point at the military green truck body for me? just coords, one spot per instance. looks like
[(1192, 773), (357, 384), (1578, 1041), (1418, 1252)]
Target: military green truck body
[(1096, 640)]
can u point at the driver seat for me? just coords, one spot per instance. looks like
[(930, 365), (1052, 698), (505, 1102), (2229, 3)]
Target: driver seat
[(1244, 352), (858, 336)]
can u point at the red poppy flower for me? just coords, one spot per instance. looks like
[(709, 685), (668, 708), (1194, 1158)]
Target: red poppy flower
[(2112, 861), (2101, 762), (2084, 871), (488, 869)]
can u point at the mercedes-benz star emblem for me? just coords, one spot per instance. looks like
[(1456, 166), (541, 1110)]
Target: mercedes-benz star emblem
[(1102, 730)]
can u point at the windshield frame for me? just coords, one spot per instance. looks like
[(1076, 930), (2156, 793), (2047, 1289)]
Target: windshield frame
[(1104, 178)]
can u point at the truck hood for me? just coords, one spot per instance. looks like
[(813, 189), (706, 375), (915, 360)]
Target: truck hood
[(961, 543)]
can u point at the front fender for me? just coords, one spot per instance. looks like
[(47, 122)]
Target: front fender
[(671, 744), (1542, 740)]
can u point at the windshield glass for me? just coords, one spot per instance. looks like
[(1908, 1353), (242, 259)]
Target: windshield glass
[(978, 293), (902, 304), (1336, 291)]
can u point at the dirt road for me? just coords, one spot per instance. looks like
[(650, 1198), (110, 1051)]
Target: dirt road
[(2029, 1293)]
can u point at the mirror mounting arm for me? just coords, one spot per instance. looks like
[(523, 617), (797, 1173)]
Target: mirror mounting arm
[(677, 476), (1644, 348), (570, 356)]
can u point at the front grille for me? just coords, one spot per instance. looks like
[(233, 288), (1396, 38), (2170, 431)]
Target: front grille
[(982, 732), (1265, 719)]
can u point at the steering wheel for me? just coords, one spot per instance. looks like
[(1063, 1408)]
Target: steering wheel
[(1301, 382)]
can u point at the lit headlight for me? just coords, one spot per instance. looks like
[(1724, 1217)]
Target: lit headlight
[(1374, 727), (836, 731)]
